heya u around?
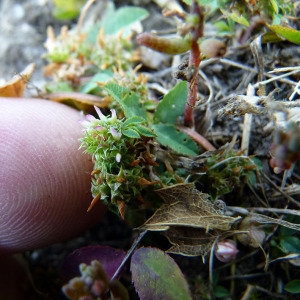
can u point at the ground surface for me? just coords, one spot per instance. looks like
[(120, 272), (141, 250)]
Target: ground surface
[(23, 31)]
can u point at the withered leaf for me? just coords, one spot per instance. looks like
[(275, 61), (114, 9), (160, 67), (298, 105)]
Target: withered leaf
[(186, 206), (191, 241), (16, 86), (78, 100)]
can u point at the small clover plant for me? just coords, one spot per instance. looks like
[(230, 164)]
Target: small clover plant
[(120, 149)]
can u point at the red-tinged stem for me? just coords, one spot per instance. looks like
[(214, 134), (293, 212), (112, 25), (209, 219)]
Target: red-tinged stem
[(192, 92), (194, 62), (198, 138)]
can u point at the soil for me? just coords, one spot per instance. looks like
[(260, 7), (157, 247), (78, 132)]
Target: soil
[(23, 31)]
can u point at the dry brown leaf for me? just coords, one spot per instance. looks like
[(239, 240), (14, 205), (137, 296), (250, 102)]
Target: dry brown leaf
[(78, 100), (192, 223), (186, 206), (191, 241), (16, 86)]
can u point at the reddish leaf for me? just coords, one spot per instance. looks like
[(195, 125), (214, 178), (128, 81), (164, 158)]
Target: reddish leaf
[(109, 257), (156, 276)]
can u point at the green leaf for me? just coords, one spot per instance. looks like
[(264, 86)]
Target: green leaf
[(124, 17), (132, 107), (118, 290), (60, 14), (178, 141), (144, 131), (258, 163), (172, 105), (115, 20), (59, 87), (284, 231), (238, 18), (225, 27), (133, 120), (211, 4), (251, 178), (156, 276), (102, 76), (292, 35), (220, 292), (290, 244), (107, 14), (222, 26), (66, 10), (129, 100), (116, 91), (293, 286), (276, 19), (271, 37), (131, 133), (275, 6)]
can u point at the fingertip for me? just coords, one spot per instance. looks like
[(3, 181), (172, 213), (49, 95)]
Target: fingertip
[(45, 179)]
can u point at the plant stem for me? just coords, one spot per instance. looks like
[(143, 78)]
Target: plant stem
[(130, 251), (194, 62), (198, 138)]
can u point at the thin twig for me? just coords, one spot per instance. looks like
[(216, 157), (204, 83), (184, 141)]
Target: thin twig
[(287, 257), (283, 211), (209, 86), (211, 269), (273, 295), (277, 78), (296, 91), (155, 86), (263, 202), (129, 253), (245, 276), (231, 158), (83, 13), (241, 66), (237, 65), (285, 69), (281, 191), (248, 292), (247, 124), (232, 282)]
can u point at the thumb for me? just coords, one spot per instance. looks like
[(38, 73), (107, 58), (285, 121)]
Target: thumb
[(44, 178)]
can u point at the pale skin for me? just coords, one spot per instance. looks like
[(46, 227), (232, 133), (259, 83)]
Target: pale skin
[(44, 178)]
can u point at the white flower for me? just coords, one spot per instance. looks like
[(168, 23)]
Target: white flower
[(226, 250), (100, 114), (113, 116), (116, 135), (118, 157)]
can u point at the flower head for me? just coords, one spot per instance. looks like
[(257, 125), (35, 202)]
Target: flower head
[(110, 141), (100, 114), (116, 135), (113, 116), (118, 157), (226, 250)]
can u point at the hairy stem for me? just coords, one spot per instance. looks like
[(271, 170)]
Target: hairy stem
[(194, 62)]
